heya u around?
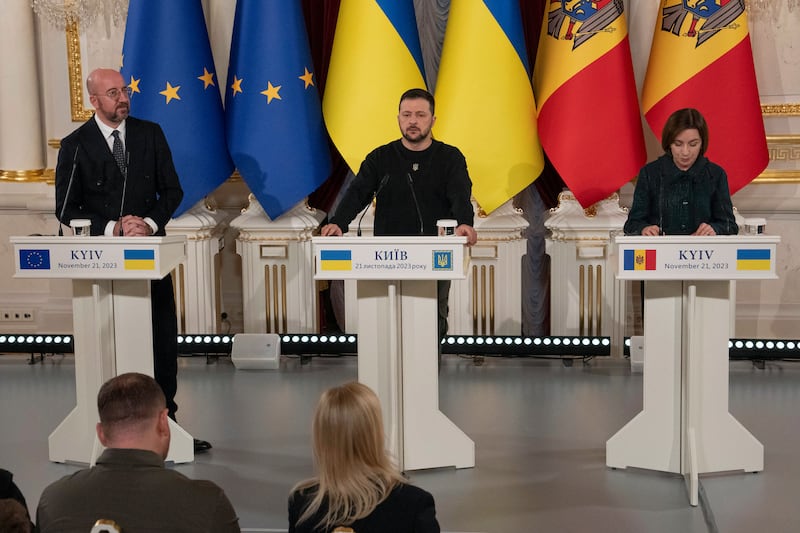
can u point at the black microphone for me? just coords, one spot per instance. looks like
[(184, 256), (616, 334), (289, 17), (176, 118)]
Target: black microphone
[(124, 188), (416, 203), (383, 182), (69, 187), (661, 205)]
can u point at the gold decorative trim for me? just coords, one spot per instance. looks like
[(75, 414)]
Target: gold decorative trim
[(780, 109), (54, 143), (38, 174), (75, 68)]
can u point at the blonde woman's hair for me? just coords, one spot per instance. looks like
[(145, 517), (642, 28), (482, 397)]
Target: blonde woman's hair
[(354, 471)]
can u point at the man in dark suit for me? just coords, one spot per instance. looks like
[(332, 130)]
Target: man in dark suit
[(117, 171)]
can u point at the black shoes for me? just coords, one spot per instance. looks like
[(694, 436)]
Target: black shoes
[(201, 446)]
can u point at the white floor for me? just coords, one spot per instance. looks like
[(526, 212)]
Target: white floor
[(539, 429)]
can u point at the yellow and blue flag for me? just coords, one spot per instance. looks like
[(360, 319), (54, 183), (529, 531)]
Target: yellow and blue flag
[(376, 57), (753, 259), (274, 125), (167, 63), (139, 259), (336, 259), (484, 99), (701, 57)]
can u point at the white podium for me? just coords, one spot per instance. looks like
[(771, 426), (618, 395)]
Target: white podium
[(684, 426), (398, 337), (112, 321)]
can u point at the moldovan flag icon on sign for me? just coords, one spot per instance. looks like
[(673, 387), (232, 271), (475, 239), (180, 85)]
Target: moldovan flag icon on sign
[(640, 259)]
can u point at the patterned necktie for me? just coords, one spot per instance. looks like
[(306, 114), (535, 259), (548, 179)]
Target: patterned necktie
[(119, 153)]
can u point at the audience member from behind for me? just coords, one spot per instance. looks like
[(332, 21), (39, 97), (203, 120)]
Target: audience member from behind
[(357, 485), (10, 512), (130, 484), (14, 517), (682, 192)]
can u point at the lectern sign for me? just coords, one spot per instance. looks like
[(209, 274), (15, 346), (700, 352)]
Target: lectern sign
[(95, 257), (682, 257), (389, 257)]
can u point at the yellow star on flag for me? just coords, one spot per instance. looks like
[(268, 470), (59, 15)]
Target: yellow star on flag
[(171, 92), (134, 85), (236, 85), (308, 77), (271, 92), (207, 77)]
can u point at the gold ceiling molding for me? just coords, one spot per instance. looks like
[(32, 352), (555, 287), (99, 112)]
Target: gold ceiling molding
[(781, 148), (780, 109), (75, 68)]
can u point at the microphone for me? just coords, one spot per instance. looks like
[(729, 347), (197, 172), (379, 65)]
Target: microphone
[(416, 203), (383, 182), (69, 187), (124, 188), (661, 205)]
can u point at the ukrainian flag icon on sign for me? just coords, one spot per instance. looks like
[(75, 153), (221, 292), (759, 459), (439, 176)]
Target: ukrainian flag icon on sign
[(442, 260)]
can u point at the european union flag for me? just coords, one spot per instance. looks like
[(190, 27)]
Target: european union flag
[(168, 65), (273, 116), (34, 259)]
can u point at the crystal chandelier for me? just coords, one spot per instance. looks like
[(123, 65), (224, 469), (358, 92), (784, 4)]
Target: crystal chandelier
[(770, 10), (61, 13)]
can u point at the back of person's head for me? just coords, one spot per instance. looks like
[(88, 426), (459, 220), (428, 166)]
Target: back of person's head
[(13, 517), (413, 94), (355, 473), (681, 120), (129, 405)]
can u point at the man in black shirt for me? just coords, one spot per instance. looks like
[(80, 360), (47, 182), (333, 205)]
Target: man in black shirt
[(416, 180)]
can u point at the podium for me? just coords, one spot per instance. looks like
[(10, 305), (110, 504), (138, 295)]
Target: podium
[(684, 426), (398, 338), (112, 321)]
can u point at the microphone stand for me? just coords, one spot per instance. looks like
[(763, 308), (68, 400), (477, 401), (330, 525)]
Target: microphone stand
[(69, 188), (374, 195), (416, 203)]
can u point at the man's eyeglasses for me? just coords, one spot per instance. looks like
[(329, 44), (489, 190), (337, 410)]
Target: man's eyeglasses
[(116, 92)]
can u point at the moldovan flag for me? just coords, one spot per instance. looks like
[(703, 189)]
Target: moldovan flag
[(589, 119), (273, 116), (167, 64), (701, 58), (376, 57), (484, 99)]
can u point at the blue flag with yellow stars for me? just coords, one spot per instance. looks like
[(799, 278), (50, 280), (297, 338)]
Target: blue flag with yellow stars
[(167, 63), (274, 125)]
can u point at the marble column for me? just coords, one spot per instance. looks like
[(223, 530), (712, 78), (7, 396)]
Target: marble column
[(21, 137)]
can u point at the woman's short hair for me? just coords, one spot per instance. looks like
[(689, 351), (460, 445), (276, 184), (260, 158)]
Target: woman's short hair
[(684, 119)]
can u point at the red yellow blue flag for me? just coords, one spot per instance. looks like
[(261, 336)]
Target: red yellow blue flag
[(589, 119), (167, 64), (701, 57), (484, 99), (376, 57)]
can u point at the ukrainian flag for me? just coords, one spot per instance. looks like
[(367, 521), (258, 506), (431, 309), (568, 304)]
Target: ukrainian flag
[(376, 57), (701, 57), (753, 259), (140, 259), (336, 259), (484, 99), (584, 84)]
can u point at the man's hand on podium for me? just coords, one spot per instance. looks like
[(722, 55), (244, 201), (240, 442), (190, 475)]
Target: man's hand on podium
[(465, 230), (330, 230), (132, 226)]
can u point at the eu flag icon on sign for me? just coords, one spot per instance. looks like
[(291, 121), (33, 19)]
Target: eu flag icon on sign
[(168, 66), (34, 259), (273, 115)]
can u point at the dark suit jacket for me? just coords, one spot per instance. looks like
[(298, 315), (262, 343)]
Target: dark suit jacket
[(153, 189), (407, 509)]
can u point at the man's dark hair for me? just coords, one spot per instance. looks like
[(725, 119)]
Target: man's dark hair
[(684, 119), (413, 94), (129, 399), (14, 517)]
